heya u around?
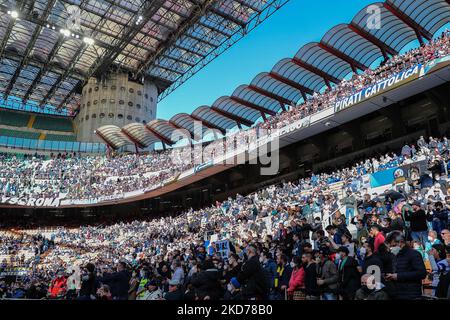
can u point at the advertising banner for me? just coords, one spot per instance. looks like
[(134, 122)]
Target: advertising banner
[(30, 202), (294, 126), (394, 81), (378, 88)]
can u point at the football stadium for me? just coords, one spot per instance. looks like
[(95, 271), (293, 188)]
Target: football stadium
[(324, 175)]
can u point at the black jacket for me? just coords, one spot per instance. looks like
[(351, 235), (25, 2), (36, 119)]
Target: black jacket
[(387, 259), (252, 279), (397, 224), (118, 283), (176, 295), (418, 220), (304, 231), (285, 277), (236, 295), (232, 272), (410, 271), (349, 278), (207, 283), (311, 287), (373, 260), (88, 285)]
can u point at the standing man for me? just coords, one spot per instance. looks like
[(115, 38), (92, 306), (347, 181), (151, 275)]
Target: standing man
[(327, 275), (409, 269), (418, 223), (118, 282), (252, 277), (310, 267), (375, 232), (349, 277)]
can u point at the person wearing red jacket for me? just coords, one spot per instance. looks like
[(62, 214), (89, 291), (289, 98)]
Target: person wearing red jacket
[(58, 286), (297, 280), (377, 235)]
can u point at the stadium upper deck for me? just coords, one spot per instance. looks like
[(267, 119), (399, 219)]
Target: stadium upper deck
[(49, 49), (346, 49)]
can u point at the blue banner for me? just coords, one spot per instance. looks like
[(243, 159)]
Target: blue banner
[(382, 178)]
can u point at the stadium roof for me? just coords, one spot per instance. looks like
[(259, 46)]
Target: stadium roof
[(344, 49), (50, 48)]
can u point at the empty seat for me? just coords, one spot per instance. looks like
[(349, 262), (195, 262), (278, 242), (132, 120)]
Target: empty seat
[(15, 119), (19, 134), (60, 137), (54, 124)]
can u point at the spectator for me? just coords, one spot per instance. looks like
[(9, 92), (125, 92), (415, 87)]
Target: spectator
[(445, 234), (252, 277), (104, 293), (141, 283), (409, 269), (233, 290), (270, 269), (349, 277), (370, 258), (418, 220), (118, 282), (297, 280), (88, 283), (439, 264), (233, 267), (375, 232), (133, 286), (284, 271), (369, 291), (152, 291), (207, 282), (327, 276), (58, 287), (311, 286), (174, 292)]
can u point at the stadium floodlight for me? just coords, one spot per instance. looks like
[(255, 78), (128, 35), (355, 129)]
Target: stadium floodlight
[(65, 32), (88, 41)]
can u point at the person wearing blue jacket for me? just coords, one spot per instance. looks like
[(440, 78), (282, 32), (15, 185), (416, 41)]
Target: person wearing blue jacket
[(269, 267)]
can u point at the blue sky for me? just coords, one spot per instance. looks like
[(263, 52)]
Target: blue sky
[(280, 36)]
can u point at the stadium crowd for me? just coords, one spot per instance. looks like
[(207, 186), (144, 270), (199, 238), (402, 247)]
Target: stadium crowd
[(437, 48), (83, 177), (91, 177), (296, 240)]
